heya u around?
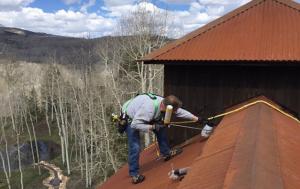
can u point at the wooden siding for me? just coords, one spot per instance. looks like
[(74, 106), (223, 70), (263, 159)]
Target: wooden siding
[(209, 90)]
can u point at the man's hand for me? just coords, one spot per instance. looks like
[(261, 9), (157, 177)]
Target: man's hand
[(202, 121), (157, 127)]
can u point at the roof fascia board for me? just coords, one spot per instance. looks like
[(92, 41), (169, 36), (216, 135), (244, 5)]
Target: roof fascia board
[(226, 63)]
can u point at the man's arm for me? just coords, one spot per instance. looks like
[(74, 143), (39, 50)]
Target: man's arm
[(184, 114)]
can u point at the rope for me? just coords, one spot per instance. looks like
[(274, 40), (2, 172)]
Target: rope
[(156, 147), (181, 122), (242, 108), (231, 112), (251, 104)]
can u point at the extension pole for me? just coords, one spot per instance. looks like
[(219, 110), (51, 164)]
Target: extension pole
[(183, 126)]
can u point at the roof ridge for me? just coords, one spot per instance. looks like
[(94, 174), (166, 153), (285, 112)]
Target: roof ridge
[(275, 135), (218, 22), (290, 4), (233, 152)]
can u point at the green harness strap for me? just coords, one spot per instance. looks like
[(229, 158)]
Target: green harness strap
[(151, 95)]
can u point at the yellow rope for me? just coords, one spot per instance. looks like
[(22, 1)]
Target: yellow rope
[(147, 148), (156, 147), (181, 122), (251, 104), (239, 109), (234, 111)]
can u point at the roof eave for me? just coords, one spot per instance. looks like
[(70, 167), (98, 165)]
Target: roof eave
[(225, 62)]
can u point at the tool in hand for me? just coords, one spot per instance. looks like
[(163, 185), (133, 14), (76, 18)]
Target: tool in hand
[(183, 126), (168, 115)]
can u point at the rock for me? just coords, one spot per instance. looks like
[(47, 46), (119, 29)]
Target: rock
[(55, 182)]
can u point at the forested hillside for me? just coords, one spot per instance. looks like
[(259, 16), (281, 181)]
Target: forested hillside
[(23, 45)]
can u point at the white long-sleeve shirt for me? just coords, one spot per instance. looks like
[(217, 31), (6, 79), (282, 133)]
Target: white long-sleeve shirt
[(142, 109)]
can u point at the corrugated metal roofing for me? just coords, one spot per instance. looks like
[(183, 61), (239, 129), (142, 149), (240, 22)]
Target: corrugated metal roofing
[(156, 171), (263, 30), (257, 147)]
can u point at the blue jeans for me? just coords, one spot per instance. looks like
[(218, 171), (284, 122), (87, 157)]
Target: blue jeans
[(133, 136)]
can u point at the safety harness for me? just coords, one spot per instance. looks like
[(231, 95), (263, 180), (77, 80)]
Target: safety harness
[(125, 120), (151, 95)]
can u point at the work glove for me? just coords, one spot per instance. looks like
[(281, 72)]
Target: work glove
[(157, 127), (207, 130)]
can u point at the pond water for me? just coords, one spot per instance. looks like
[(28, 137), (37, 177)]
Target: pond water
[(47, 150)]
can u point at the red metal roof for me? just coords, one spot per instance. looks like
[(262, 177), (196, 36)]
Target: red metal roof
[(264, 30), (257, 147), (156, 171)]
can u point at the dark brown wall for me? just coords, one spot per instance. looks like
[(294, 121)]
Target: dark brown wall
[(208, 90)]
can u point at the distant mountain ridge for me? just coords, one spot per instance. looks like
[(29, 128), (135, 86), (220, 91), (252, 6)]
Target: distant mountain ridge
[(24, 45)]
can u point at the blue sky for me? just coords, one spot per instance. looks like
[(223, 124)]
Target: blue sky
[(82, 18)]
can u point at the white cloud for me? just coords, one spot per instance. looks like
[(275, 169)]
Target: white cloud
[(117, 11), (87, 5), (200, 12), (70, 2), (8, 5), (203, 11), (178, 1), (67, 23), (79, 23), (115, 3), (216, 2), (121, 10)]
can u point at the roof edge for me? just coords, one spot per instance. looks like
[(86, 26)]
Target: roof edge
[(237, 62), (269, 100)]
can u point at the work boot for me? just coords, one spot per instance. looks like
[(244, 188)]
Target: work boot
[(172, 153), (138, 179)]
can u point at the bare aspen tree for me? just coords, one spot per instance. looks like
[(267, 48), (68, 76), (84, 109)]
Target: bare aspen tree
[(23, 114), (11, 76), (47, 96), (83, 140), (3, 137), (60, 133), (144, 30), (19, 158), (35, 140), (5, 171), (63, 127), (46, 115), (109, 151), (3, 123)]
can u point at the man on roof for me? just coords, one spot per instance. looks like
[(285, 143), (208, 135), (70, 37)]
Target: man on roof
[(145, 113)]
